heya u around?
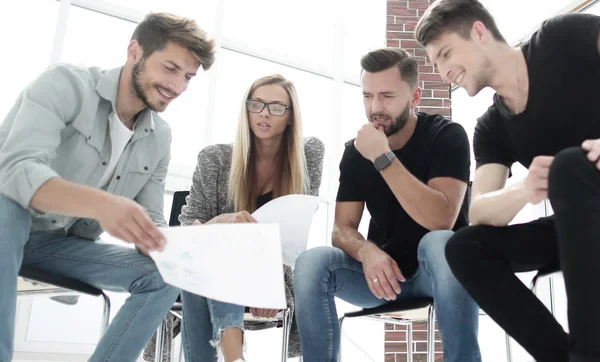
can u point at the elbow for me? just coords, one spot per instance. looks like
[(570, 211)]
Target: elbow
[(477, 218), (445, 221)]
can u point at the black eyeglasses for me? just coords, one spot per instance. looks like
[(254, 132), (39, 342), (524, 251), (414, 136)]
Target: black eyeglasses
[(275, 109)]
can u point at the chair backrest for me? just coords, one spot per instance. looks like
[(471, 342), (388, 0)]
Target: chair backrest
[(178, 203)]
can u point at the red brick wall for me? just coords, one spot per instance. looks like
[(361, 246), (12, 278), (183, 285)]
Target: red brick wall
[(396, 348), (402, 17)]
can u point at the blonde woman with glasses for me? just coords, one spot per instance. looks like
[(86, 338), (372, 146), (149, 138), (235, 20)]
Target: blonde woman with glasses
[(269, 158)]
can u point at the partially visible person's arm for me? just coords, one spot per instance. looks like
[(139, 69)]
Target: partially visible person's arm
[(201, 204), (381, 271), (492, 204), (121, 217), (345, 233), (314, 151)]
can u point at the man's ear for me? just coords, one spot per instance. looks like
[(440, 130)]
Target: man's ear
[(417, 93), (134, 51), (479, 32)]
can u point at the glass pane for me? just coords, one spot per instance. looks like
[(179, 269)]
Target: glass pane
[(314, 93), (303, 30), (31, 48), (517, 18), (202, 11), (94, 39), (594, 9), (364, 30)]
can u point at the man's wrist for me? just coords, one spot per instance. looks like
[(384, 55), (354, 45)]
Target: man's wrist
[(365, 247)]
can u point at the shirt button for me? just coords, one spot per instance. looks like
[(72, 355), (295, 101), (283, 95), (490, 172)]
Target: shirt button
[(103, 163), (146, 130), (89, 137), (53, 221), (151, 130), (118, 177), (145, 168)]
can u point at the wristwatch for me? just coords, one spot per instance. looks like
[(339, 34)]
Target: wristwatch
[(384, 160)]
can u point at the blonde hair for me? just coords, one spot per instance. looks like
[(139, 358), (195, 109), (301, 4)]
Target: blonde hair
[(291, 176)]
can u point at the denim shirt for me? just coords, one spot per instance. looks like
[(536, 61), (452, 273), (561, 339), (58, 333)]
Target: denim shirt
[(59, 127)]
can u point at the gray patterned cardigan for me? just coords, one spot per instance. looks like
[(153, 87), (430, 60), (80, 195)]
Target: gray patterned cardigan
[(208, 198)]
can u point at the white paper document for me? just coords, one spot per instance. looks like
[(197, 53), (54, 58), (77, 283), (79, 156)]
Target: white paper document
[(233, 263), (294, 214)]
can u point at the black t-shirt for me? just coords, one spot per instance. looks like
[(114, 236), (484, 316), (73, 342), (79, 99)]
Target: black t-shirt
[(437, 148), (564, 94), (263, 199)]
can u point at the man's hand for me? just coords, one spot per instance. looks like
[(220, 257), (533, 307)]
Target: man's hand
[(264, 313), (231, 218), (371, 142), (536, 182), (125, 219), (381, 272), (593, 151)]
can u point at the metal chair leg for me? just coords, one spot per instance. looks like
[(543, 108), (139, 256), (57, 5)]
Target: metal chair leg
[(287, 322), (181, 348), (508, 348), (409, 343), (430, 335), (105, 314), (160, 341), (341, 321)]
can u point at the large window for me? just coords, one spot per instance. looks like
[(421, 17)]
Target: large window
[(26, 55)]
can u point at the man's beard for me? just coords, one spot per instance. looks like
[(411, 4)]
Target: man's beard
[(398, 123), (138, 87)]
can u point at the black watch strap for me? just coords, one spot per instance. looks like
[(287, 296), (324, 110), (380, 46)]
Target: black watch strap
[(384, 160)]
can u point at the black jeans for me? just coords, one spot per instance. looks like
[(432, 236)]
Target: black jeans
[(485, 258)]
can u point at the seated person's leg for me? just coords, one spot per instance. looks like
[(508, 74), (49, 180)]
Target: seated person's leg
[(320, 274), (484, 260), (456, 312), (112, 268), (15, 223), (574, 190), (209, 324)]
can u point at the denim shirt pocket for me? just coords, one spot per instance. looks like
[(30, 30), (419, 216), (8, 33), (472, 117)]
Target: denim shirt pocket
[(139, 171)]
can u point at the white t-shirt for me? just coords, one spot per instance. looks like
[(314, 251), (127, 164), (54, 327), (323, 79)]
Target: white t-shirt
[(119, 137)]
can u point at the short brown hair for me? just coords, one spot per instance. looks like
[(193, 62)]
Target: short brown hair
[(455, 16), (385, 58), (157, 29)]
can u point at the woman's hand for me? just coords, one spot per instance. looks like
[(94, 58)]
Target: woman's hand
[(234, 217), (264, 313)]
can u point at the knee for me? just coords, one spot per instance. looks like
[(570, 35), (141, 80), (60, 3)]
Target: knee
[(432, 245), (311, 268), (463, 246), (152, 282), (566, 171)]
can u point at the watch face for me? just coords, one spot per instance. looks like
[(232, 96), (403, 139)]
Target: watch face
[(381, 162)]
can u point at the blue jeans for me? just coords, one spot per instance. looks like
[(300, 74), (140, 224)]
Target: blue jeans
[(107, 267), (324, 273), (203, 321)]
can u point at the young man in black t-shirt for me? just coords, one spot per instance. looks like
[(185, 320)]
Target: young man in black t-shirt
[(545, 117), (411, 170)]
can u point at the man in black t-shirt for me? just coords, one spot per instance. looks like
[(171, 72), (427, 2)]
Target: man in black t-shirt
[(545, 117), (411, 170)]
